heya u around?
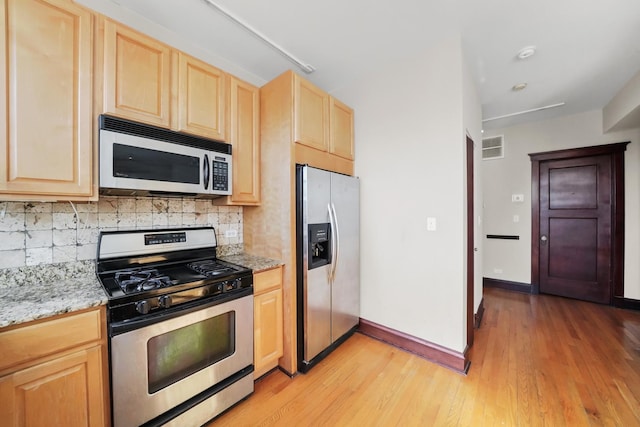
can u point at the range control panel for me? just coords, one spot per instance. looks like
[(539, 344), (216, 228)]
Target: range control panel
[(161, 239)]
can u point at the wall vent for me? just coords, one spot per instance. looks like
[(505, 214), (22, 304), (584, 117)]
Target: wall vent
[(493, 147)]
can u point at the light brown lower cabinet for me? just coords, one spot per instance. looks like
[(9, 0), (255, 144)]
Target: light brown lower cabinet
[(54, 372), (267, 318)]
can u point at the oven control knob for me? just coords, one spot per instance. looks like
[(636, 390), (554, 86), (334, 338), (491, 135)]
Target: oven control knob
[(143, 307), (165, 301)]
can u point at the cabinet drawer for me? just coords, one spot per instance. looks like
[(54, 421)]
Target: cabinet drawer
[(41, 339), (266, 280)]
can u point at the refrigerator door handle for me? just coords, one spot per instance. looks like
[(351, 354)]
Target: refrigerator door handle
[(335, 231), (333, 242)]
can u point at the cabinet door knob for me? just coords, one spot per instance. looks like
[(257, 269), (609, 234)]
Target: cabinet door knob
[(543, 238)]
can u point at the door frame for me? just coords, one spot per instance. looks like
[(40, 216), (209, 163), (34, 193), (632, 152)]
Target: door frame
[(616, 151)]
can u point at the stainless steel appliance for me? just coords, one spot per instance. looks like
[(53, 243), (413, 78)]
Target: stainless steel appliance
[(328, 261), (180, 326), (138, 159)]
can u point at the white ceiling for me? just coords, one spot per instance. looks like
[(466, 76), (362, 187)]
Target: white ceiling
[(586, 49)]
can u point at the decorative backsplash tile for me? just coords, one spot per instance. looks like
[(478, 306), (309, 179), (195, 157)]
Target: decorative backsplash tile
[(45, 233)]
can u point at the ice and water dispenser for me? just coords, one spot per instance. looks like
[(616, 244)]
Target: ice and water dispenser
[(319, 245)]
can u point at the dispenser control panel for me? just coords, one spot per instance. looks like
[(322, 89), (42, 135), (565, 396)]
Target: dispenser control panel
[(319, 245)]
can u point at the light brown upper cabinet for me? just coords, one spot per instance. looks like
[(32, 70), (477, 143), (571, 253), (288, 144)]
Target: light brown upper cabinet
[(340, 129), (148, 81), (201, 100), (46, 87), (137, 76), (322, 127), (321, 121), (244, 137), (311, 106)]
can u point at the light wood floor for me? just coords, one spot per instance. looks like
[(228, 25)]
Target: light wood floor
[(537, 360)]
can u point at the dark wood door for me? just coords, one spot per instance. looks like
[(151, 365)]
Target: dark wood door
[(470, 244), (575, 228), (577, 223)]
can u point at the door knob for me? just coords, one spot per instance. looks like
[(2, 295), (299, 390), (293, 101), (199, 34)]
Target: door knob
[(543, 238)]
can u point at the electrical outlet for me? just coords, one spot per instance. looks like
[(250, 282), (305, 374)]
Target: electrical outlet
[(431, 224), (231, 233), (497, 270), (517, 198)]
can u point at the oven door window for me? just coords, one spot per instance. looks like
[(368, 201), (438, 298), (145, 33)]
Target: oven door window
[(154, 165), (177, 354)]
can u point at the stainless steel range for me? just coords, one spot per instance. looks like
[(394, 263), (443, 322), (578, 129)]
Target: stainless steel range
[(180, 326)]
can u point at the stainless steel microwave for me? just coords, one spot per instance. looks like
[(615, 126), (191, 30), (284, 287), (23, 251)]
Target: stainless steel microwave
[(142, 160)]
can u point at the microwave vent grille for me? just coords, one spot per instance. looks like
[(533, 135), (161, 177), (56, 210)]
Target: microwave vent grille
[(138, 129)]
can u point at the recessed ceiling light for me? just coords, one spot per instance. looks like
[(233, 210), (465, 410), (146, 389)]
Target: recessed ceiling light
[(526, 52), (519, 86)]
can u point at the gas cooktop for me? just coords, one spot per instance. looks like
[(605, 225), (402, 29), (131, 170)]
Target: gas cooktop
[(130, 281), (146, 271)]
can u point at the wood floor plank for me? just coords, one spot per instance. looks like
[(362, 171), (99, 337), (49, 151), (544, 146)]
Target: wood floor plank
[(537, 360)]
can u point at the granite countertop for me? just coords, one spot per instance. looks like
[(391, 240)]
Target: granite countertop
[(35, 292), (254, 262)]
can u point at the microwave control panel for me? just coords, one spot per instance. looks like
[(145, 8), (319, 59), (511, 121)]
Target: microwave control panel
[(220, 175)]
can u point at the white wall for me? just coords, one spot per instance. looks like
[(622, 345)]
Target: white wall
[(410, 155), (504, 177), (623, 111)]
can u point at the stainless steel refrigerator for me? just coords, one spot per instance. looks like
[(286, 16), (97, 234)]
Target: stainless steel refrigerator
[(328, 261)]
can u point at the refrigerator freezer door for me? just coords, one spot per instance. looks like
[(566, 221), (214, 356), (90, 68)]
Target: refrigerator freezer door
[(345, 298), (317, 288), (317, 308)]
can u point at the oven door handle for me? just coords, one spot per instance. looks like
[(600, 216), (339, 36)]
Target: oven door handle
[(120, 327)]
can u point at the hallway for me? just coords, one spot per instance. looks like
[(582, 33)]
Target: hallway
[(536, 360)]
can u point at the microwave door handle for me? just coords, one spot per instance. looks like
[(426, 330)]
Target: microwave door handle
[(206, 172)]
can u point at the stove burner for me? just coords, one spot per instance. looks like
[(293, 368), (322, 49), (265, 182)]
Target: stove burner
[(210, 268), (141, 280)]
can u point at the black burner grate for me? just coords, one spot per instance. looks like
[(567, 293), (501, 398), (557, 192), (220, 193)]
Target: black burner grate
[(211, 268), (141, 280)]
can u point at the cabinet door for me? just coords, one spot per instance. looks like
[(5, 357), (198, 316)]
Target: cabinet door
[(340, 129), (137, 76), (67, 391), (45, 75), (311, 109), (268, 346), (244, 136), (201, 98)]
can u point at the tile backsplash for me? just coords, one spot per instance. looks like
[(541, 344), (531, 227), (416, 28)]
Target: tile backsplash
[(34, 233)]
